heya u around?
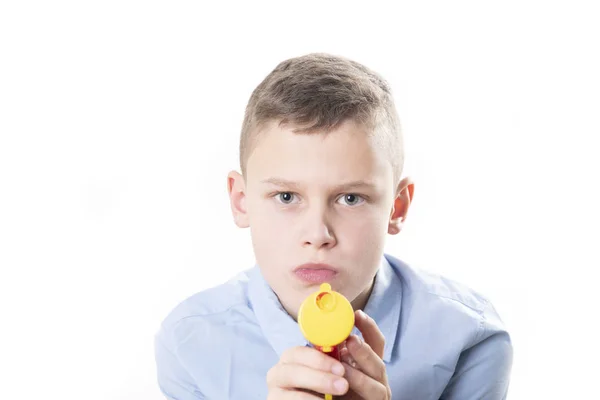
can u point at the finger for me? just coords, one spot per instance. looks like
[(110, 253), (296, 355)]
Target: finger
[(296, 376), (370, 332), (312, 358), (345, 357), (365, 386), (366, 359), (284, 394)]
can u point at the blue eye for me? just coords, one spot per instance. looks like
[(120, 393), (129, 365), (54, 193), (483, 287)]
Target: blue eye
[(352, 199), (285, 197)]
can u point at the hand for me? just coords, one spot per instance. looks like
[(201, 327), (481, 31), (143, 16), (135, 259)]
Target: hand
[(365, 369), (305, 373)]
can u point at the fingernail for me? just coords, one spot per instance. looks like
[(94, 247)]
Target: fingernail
[(340, 385), (338, 369)]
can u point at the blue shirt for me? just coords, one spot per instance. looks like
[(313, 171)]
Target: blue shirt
[(443, 340)]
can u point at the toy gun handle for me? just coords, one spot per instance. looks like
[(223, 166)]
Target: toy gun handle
[(334, 352)]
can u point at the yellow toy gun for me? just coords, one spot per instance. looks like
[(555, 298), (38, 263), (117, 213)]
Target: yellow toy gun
[(326, 319)]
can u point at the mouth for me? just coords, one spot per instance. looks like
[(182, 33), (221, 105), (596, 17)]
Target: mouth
[(315, 273)]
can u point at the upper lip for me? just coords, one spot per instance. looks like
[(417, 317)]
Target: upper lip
[(316, 266)]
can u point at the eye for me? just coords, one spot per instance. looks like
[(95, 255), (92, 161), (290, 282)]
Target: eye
[(285, 197), (352, 199)]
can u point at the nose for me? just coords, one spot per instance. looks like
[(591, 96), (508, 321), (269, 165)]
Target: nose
[(318, 232)]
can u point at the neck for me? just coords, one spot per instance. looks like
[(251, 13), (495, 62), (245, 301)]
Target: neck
[(361, 300)]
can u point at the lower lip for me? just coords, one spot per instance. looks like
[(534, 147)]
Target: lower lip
[(315, 275)]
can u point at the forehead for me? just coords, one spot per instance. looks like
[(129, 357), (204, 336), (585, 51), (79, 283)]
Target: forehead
[(348, 153)]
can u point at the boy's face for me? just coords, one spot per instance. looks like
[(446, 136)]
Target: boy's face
[(323, 200)]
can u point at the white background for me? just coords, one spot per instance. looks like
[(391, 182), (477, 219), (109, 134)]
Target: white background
[(119, 121)]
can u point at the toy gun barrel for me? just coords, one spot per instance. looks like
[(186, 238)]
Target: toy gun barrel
[(326, 319)]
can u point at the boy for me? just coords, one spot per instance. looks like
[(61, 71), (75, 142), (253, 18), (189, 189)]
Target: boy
[(321, 159)]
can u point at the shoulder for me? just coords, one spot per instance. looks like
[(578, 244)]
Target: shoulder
[(446, 298), (216, 306), (203, 336)]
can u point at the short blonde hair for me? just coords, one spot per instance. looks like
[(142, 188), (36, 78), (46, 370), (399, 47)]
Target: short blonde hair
[(316, 93)]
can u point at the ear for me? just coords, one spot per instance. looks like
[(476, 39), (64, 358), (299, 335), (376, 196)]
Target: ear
[(404, 196), (236, 187)]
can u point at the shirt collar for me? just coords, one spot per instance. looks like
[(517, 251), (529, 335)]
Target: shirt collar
[(279, 328), (282, 332), (384, 305)]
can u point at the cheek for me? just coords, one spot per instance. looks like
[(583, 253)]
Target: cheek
[(363, 235), (271, 230), (365, 225), (268, 221)]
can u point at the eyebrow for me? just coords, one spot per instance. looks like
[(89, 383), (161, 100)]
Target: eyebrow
[(344, 186)]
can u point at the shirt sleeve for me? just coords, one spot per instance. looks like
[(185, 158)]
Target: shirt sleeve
[(483, 370), (173, 379)]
